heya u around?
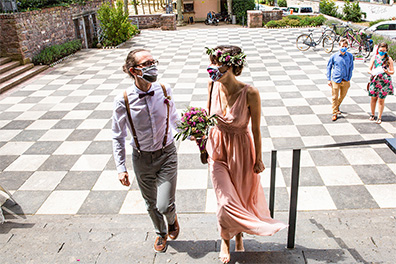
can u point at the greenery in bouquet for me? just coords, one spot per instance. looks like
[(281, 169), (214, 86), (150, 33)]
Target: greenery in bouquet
[(195, 122)]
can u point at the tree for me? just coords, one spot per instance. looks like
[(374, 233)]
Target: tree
[(179, 13), (126, 11), (135, 5)]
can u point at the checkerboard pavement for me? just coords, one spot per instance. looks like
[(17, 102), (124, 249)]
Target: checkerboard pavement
[(55, 132)]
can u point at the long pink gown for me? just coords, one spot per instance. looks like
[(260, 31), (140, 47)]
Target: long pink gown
[(241, 204)]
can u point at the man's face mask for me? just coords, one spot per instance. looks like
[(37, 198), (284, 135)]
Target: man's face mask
[(214, 73), (344, 49), (149, 74)]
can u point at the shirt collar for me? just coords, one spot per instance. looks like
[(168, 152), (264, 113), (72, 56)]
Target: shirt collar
[(136, 90)]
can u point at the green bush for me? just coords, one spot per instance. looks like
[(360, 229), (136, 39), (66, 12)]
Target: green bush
[(282, 3), (294, 23), (328, 7), (297, 21), (240, 8), (294, 17), (377, 39), (25, 5), (54, 53), (270, 2), (376, 21), (115, 25), (352, 11), (272, 23)]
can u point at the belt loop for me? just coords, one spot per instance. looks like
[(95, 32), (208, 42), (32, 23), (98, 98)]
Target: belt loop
[(140, 153)]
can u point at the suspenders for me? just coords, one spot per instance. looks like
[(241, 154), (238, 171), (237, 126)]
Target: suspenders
[(133, 127)]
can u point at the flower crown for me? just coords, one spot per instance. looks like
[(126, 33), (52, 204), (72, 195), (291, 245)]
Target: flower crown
[(226, 58)]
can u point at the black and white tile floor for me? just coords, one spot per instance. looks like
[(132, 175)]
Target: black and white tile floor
[(55, 137)]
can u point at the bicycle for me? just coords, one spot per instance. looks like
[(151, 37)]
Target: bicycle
[(305, 41), (359, 42)]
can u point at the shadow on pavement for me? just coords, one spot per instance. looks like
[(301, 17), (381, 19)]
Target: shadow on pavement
[(266, 252)]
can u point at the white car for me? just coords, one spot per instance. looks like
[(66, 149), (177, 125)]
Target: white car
[(385, 28), (303, 10), (260, 7)]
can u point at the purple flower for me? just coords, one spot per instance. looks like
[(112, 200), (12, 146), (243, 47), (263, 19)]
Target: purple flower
[(227, 58), (166, 101)]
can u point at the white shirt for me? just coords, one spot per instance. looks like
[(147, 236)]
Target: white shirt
[(148, 117)]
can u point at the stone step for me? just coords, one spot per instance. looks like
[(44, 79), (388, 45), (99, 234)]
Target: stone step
[(8, 66), (22, 77), (14, 72), (4, 60)]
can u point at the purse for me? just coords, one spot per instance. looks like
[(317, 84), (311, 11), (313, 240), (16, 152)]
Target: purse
[(368, 84), (204, 154)]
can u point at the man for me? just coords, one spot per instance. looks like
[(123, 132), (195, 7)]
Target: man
[(339, 74), (154, 156)]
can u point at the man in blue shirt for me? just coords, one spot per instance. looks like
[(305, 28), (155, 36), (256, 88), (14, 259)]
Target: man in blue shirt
[(339, 74)]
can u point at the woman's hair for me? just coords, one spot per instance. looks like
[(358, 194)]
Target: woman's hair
[(130, 61), (233, 51), (385, 45), (342, 41)]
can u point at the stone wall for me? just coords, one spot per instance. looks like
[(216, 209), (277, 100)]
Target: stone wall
[(27, 33), (168, 22), (272, 15), (254, 19), (163, 21), (146, 21)]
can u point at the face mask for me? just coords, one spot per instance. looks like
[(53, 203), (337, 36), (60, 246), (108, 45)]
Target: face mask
[(149, 74), (344, 49), (382, 53), (214, 73)]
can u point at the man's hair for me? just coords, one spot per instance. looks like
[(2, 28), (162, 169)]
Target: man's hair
[(342, 41), (131, 62)]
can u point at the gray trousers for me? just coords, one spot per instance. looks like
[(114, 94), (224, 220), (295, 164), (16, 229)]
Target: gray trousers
[(156, 174)]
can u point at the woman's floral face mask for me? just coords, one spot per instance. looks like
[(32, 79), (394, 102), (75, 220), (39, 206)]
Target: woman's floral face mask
[(214, 72)]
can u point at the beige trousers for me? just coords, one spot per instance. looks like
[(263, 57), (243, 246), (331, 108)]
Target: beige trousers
[(339, 92)]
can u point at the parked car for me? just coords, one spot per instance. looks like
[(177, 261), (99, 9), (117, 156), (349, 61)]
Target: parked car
[(385, 28), (301, 10), (259, 7)]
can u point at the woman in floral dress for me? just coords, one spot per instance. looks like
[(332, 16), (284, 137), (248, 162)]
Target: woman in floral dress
[(381, 69)]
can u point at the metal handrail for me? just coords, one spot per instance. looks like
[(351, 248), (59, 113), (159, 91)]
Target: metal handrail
[(390, 142)]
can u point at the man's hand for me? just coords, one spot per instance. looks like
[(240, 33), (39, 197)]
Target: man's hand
[(124, 178), (329, 83)]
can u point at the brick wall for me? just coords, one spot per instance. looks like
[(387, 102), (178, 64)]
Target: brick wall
[(254, 19), (163, 21), (272, 15), (26, 34), (146, 21)]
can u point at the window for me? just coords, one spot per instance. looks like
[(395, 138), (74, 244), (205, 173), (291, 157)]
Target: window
[(306, 10), (392, 27), (188, 7)]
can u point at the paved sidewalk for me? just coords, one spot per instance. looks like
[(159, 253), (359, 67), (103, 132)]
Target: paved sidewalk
[(56, 155), (350, 236)]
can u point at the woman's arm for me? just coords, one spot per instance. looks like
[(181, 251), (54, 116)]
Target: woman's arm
[(391, 69), (371, 64), (254, 104)]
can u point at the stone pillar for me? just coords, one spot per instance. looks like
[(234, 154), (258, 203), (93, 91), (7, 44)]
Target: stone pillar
[(255, 18), (168, 22)]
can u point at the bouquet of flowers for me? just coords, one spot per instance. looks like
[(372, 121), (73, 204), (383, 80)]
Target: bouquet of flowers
[(195, 122)]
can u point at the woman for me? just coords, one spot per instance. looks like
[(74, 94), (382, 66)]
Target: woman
[(234, 158), (381, 69)]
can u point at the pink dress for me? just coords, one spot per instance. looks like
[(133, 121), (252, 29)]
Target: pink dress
[(241, 204)]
